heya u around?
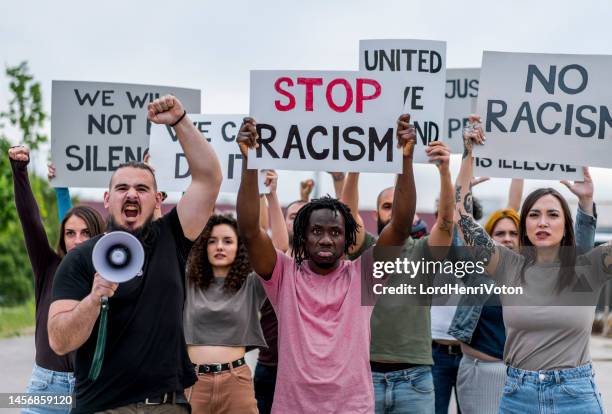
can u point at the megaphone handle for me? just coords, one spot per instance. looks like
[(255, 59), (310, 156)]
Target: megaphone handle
[(98, 358)]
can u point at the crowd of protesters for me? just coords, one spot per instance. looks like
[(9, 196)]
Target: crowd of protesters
[(297, 285)]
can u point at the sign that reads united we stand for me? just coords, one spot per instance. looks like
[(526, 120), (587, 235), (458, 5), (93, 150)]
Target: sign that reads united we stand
[(547, 108), (325, 121), (418, 67), (170, 163), (96, 126)]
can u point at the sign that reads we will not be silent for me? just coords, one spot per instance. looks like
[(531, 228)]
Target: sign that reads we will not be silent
[(96, 126)]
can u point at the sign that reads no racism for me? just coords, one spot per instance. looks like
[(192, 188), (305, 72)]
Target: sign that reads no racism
[(168, 158), (325, 121), (418, 68), (461, 96), (547, 108), (96, 126)]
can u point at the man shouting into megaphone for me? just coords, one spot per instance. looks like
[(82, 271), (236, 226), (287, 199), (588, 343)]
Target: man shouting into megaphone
[(145, 356)]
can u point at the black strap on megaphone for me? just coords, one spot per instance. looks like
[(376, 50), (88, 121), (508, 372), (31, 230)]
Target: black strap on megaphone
[(98, 358)]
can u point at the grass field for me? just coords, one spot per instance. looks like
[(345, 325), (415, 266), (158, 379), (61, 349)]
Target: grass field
[(16, 320)]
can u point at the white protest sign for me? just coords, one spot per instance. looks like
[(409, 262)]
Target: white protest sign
[(420, 68), (547, 108), (536, 170), (325, 121), (96, 126), (461, 96), (170, 163)]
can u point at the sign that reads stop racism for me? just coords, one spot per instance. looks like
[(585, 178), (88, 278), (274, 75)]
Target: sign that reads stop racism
[(325, 121)]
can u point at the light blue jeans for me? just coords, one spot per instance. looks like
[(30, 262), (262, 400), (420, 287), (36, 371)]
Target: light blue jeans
[(406, 391), (46, 382), (570, 390)]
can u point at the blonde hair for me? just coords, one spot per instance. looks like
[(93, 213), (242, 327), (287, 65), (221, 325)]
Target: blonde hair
[(496, 216)]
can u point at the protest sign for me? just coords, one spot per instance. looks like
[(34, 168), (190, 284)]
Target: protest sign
[(96, 126), (420, 68), (536, 170), (325, 121), (461, 96), (170, 163), (547, 108)]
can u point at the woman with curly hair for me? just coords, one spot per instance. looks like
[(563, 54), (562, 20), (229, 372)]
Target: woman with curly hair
[(221, 319)]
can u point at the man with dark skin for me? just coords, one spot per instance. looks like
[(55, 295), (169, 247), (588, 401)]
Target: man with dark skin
[(324, 330), (401, 347)]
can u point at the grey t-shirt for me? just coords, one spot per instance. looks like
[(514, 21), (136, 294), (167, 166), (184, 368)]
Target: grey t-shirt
[(216, 317), (545, 330)]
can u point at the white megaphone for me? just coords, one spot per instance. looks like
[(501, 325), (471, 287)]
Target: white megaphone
[(118, 257)]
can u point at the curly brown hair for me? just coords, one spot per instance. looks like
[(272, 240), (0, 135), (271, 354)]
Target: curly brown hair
[(199, 269)]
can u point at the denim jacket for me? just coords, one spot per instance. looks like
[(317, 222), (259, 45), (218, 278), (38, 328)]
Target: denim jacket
[(466, 317)]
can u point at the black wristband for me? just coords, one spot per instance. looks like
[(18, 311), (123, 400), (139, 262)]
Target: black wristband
[(180, 119)]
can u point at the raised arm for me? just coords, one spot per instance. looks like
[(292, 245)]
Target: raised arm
[(280, 236), (62, 194), (398, 229), (442, 231), (473, 233), (350, 197), (586, 217), (338, 179), (515, 194), (262, 254), (196, 205), (37, 243), (264, 221)]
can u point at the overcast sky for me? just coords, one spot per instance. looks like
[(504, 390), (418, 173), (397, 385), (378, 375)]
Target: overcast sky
[(212, 45)]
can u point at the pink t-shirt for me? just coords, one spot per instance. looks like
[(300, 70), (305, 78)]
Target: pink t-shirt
[(323, 339)]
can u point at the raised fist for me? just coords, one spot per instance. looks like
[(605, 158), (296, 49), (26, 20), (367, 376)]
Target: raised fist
[(271, 180), (247, 136), (306, 187), (50, 171), (166, 110), (406, 135), (19, 153), (472, 134), (438, 154)]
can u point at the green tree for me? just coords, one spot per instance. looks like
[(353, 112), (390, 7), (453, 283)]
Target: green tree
[(26, 115)]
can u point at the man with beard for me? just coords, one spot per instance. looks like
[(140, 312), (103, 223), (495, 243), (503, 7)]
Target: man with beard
[(401, 348), (323, 329), (145, 357)]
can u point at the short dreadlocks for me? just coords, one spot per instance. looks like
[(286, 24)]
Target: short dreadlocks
[(300, 225)]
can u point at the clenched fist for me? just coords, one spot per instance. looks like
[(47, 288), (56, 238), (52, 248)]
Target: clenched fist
[(406, 135), (166, 110)]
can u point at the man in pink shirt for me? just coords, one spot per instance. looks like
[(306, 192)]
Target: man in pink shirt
[(323, 329)]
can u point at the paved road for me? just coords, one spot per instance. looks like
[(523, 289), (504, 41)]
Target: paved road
[(17, 356)]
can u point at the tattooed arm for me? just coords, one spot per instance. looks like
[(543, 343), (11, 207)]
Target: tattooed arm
[(442, 231), (473, 233)]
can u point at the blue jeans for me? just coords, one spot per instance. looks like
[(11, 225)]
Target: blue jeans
[(264, 381), (46, 382), (406, 391), (570, 390), (445, 369)]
